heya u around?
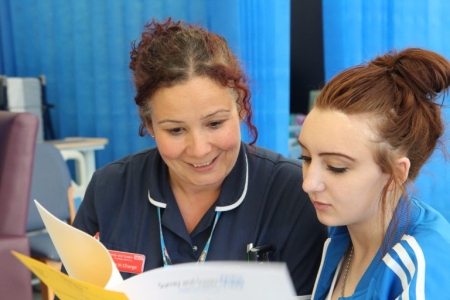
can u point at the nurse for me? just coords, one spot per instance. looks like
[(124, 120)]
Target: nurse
[(201, 194), (368, 135)]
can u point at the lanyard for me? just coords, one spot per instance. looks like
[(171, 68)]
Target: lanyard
[(165, 253)]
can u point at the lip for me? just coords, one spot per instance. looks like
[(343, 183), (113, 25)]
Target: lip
[(204, 168), (320, 205)]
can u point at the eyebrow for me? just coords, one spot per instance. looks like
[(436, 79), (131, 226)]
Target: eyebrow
[(337, 154), (331, 153), (203, 118)]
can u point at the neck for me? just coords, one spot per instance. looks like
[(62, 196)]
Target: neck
[(367, 235), (366, 239), (194, 203)]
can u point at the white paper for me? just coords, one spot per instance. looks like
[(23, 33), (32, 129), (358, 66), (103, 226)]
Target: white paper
[(211, 280), (83, 257)]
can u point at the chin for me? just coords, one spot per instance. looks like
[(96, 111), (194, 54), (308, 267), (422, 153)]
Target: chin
[(207, 181), (326, 220)]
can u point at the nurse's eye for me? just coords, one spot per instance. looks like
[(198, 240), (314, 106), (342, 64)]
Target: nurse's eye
[(175, 131), (215, 124), (305, 159), (336, 170)]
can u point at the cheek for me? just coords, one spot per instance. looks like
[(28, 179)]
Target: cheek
[(229, 142), (229, 139), (369, 188), (169, 149)]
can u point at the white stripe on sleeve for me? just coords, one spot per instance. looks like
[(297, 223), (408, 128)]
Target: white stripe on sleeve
[(397, 269), (416, 270), (421, 265)]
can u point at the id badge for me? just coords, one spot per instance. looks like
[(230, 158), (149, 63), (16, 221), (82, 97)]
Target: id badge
[(128, 262)]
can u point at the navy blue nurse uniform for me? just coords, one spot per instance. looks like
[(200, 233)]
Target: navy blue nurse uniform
[(261, 202)]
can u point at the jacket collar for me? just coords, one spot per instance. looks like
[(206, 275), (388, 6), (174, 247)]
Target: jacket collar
[(406, 215)]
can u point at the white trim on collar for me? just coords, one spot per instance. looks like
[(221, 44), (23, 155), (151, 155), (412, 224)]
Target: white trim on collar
[(154, 202), (244, 193), (218, 208)]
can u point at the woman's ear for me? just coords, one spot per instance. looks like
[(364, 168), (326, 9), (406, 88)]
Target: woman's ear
[(242, 114), (150, 130), (402, 165)]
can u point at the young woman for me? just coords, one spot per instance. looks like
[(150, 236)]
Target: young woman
[(369, 133), (202, 194)]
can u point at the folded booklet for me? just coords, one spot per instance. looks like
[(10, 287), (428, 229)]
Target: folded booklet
[(92, 273)]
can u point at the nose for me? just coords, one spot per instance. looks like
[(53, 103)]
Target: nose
[(313, 181), (199, 144)]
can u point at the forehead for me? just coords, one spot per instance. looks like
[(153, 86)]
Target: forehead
[(334, 131), (195, 93)]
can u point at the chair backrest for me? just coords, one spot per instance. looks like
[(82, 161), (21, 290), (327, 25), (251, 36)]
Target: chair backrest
[(51, 186), (18, 133)]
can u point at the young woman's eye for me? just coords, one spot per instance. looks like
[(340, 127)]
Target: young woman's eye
[(215, 124), (337, 170), (305, 159)]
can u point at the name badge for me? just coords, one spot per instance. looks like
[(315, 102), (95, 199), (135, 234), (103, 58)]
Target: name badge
[(128, 262)]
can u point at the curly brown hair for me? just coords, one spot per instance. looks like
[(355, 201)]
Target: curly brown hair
[(171, 53)]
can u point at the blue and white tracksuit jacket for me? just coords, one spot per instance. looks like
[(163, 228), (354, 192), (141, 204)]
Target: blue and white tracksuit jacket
[(417, 266)]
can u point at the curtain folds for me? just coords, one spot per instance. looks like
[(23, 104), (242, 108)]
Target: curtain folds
[(265, 48), (82, 47), (356, 31)]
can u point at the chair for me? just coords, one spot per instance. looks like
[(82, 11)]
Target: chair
[(51, 187), (18, 132)]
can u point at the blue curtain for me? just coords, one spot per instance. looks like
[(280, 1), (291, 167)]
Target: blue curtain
[(82, 47), (265, 48), (356, 31)]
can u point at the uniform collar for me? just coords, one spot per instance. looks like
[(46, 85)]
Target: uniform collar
[(232, 194)]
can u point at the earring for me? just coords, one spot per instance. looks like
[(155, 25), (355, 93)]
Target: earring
[(152, 135)]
